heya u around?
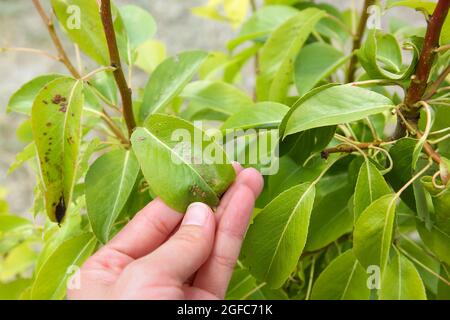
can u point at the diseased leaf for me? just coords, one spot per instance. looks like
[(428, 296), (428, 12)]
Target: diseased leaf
[(370, 186), (278, 54), (373, 232), (51, 281), (168, 80), (109, 183), (80, 19), (276, 238), (177, 168), (56, 121), (342, 279), (401, 281), (334, 105), (22, 100)]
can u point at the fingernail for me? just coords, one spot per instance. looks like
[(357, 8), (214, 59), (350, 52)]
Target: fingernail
[(196, 215)]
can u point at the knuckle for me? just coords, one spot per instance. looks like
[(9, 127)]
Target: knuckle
[(190, 235), (157, 224), (224, 261)]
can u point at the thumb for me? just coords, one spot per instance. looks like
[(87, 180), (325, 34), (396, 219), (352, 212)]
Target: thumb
[(186, 251)]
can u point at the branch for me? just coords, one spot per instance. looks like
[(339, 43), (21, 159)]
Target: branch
[(34, 51), (436, 84), (420, 79), (357, 40), (345, 148), (125, 91), (51, 30)]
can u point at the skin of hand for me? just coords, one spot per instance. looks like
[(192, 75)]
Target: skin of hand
[(162, 254)]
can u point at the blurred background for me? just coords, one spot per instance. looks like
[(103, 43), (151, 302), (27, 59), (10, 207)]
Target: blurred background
[(20, 26)]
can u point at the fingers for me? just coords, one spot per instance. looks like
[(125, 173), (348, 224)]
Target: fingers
[(182, 255), (215, 274), (146, 231), (249, 177)]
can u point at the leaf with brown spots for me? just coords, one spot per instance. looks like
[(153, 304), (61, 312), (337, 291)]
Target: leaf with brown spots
[(57, 136), (177, 161)]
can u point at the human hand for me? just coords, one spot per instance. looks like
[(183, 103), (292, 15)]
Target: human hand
[(156, 257)]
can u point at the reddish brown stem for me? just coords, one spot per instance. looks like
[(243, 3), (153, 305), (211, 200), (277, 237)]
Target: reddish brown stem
[(125, 91), (420, 79), (62, 55), (357, 38)]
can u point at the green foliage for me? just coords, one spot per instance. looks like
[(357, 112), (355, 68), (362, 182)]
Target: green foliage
[(347, 203)]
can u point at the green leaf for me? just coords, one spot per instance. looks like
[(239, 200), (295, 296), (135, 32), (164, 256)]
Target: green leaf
[(181, 163), (139, 25), (370, 186), (401, 172), (149, 55), (56, 121), (278, 54), (108, 184), (18, 260), (314, 63), (22, 100), (276, 238), (330, 219), (26, 154), (381, 57), (245, 287), (217, 96), (168, 80), (335, 105), (436, 240), (261, 115), (13, 290), (80, 19), (302, 145), (401, 281), (51, 280), (262, 23), (342, 279), (373, 232), (429, 7), (441, 203)]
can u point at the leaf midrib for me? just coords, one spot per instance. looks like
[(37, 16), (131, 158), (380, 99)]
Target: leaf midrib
[(180, 158), (285, 228)]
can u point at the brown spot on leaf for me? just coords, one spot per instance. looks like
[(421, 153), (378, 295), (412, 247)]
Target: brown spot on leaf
[(48, 124), (60, 210), (63, 107), (57, 99)]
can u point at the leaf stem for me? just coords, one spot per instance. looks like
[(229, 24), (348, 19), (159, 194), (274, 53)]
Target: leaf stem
[(94, 72), (34, 51), (125, 91), (357, 40), (59, 47), (436, 84), (311, 278), (438, 276)]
